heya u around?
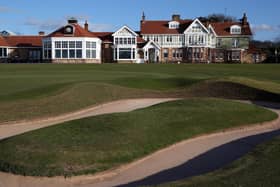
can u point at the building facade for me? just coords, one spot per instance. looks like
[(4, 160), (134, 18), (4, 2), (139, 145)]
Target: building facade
[(158, 41)]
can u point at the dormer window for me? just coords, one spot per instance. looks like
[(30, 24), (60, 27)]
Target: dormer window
[(235, 29), (174, 25), (68, 29)]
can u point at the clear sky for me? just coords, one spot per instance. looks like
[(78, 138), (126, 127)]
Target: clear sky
[(31, 16)]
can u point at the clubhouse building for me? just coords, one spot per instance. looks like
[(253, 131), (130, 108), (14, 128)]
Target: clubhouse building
[(161, 41)]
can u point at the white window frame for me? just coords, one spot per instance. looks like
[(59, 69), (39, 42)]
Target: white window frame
[(235, 29), (90, 50), (4, 52)]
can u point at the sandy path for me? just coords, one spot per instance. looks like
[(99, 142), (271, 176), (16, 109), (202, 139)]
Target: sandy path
[(164, 159), (16, 128)]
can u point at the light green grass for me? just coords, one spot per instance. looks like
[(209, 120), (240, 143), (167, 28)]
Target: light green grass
[(99, 143), (259, 168)]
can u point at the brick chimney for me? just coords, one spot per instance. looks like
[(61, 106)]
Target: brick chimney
[(176, 17), (41, 33), (72, 20), (86, 26)]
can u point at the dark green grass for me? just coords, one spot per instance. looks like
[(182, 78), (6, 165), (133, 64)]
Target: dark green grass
[(30, 91), (95, 144), (259, 168), (156, 83)]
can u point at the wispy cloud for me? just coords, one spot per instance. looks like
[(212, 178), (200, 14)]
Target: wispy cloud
[(78, 17), (95, 27), (46, 25), (264, 27), (101, 27), (52, 24), (5, 9)]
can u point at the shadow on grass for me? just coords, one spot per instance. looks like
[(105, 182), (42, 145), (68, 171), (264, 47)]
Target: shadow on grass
[(230, 90), (207, 162), (155, 83), (37, 92)]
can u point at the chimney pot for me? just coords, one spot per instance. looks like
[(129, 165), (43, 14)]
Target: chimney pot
[(244, 19), (41, 33), (72, 20), (86, 26), (176, 17)]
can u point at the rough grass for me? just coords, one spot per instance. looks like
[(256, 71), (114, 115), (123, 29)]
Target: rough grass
[(258, 168), (95, 144)]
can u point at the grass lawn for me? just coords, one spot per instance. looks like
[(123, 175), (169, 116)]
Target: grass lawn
[(98, 143), (40, 90), (258, 168)]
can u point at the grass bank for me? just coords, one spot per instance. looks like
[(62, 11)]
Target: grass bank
[(99, 143)]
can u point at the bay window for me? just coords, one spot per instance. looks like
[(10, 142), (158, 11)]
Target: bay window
[(68, 49)]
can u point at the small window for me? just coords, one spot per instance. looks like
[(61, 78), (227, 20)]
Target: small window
[(93, 53), (57, 44), (165, 53), (79, 44), (64, 53), (72, 44), (72, 53), (88, 53), (133, 41), (235, 42), (64, 44), (125, 41), (49, 54), (58, 53), (174, 25), (235, 29), (78, 53), (219, 42)]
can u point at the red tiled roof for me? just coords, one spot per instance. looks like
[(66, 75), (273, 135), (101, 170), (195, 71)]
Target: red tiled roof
[(104, 36), (140, 40), (223, 28), (3, 42), (24, 41), (161, 27), (78, 32), (141, 45)]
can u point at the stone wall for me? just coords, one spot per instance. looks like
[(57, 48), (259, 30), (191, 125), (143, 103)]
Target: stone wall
[(76, 61)]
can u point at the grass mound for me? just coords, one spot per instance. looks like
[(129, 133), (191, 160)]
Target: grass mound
[(95, 144)]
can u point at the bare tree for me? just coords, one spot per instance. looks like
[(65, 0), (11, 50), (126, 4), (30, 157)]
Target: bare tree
[(217, 18)]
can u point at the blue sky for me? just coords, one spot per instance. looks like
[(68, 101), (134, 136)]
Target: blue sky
[(31, 16)]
